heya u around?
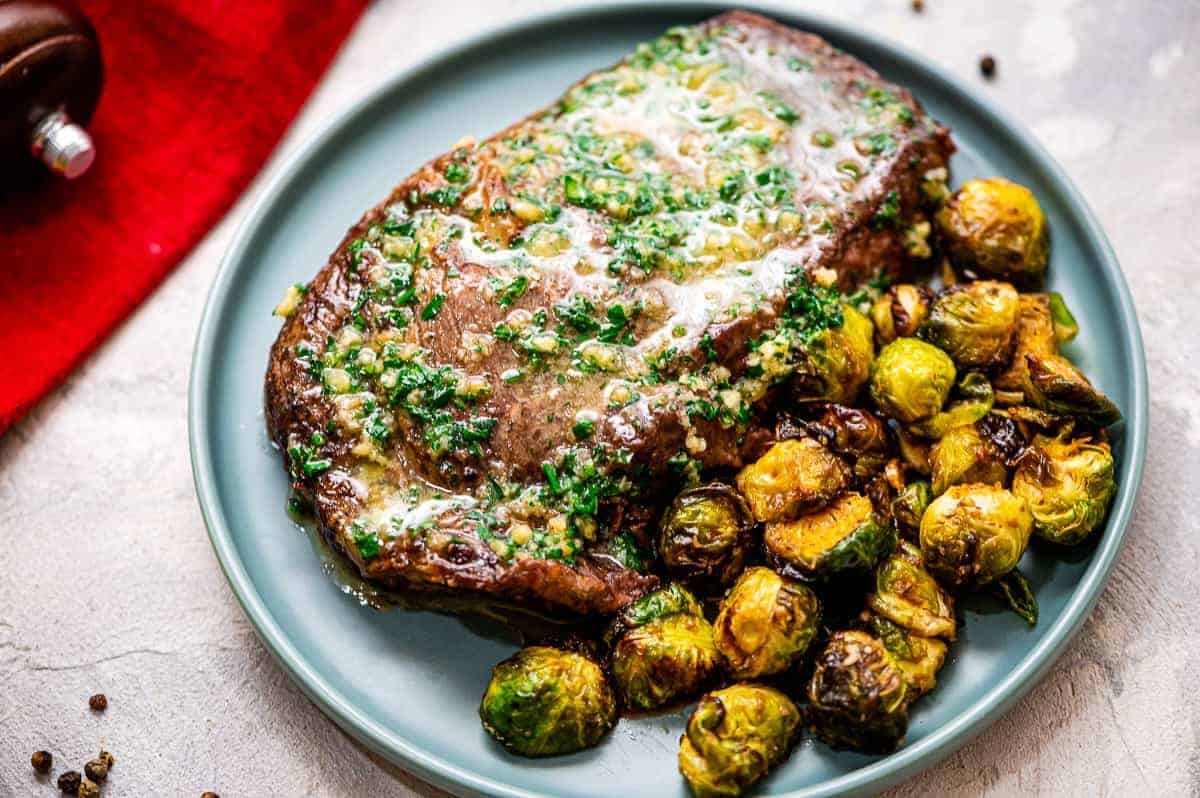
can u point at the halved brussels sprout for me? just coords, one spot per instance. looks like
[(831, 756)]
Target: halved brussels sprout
[(859, 436), (766, 623), (914, 450), (793, 477), (662, 649), (973, 534), (899, 312), (845, 536), (907, 595), (975, 323), (545, 701), (704, 536), (1068, 486), (834, 364), (911, 379), (918, 658), (1058, 387), (734, 737), (963, 455), (857, 696), (909, 505), (1035, 336), (996, 228)]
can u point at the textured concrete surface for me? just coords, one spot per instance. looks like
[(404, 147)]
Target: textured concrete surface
[(109, 584)]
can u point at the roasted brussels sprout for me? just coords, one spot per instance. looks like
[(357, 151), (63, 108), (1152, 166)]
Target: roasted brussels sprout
[(995, 228), (793, 477), (662, 649), (857, 696), (1058, 387), (899, 312), (766, 622), (734, 737), (907, 595), (1068, 486), (1035, 336), (704, 536), (858, 436), (911, 379), (975, 323), (964, 455), (834, 364), (909, 505), (973, 534), (918, 658), (545, 701), (845, 536)]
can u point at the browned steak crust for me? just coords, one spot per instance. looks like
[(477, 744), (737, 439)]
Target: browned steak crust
[(687, 187)]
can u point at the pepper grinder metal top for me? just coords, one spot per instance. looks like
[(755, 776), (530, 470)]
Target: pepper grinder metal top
[(51, 75)]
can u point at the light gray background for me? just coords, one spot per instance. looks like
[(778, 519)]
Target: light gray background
[(109, 583)]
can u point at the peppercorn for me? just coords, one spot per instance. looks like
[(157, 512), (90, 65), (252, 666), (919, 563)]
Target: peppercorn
[(96, 770), (68, 783), (89, 789), (98, 702), (41, 761), (106, 758), (918, 5), (209, 795), (987, 65)]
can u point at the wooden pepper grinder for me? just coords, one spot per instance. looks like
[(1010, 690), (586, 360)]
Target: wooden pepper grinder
[(50, 80)]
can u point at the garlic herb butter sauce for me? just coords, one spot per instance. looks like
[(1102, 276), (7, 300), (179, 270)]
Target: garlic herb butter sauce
[(563, 260)]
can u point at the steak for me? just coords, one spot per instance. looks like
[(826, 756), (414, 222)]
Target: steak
[(512, 361)]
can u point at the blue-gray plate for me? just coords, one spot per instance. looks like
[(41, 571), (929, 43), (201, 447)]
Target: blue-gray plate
[(407, 684)]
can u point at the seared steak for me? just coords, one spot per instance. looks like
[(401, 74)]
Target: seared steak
[(508, 363)]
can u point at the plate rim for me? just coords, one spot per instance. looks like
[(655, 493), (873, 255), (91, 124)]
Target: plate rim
[(878, 775)]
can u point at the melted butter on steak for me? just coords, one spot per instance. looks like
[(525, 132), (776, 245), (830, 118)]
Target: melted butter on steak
[(539, 334)]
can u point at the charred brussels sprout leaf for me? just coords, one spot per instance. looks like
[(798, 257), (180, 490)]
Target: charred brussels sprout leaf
[(671, 600), (1065, 326), (704, 536), (964, 455), (1058, 387), (973, 534), (975, 323), (834, 364), (907, 595), (734, 737), (793, 477), (544, 702), (766, 623), (845, 536), (996, 228), (1068, 486), (664, 660), (973, 401), (912, 379), (918, 658), (1014, 591), (909, 505), (857, 696), (900, 312)]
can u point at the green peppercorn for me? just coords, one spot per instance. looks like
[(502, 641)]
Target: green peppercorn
[(68, 783), (98, 702), (96, 770), (42, 761), (89, 789)]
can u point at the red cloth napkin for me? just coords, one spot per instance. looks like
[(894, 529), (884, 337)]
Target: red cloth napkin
[(197, 94)]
